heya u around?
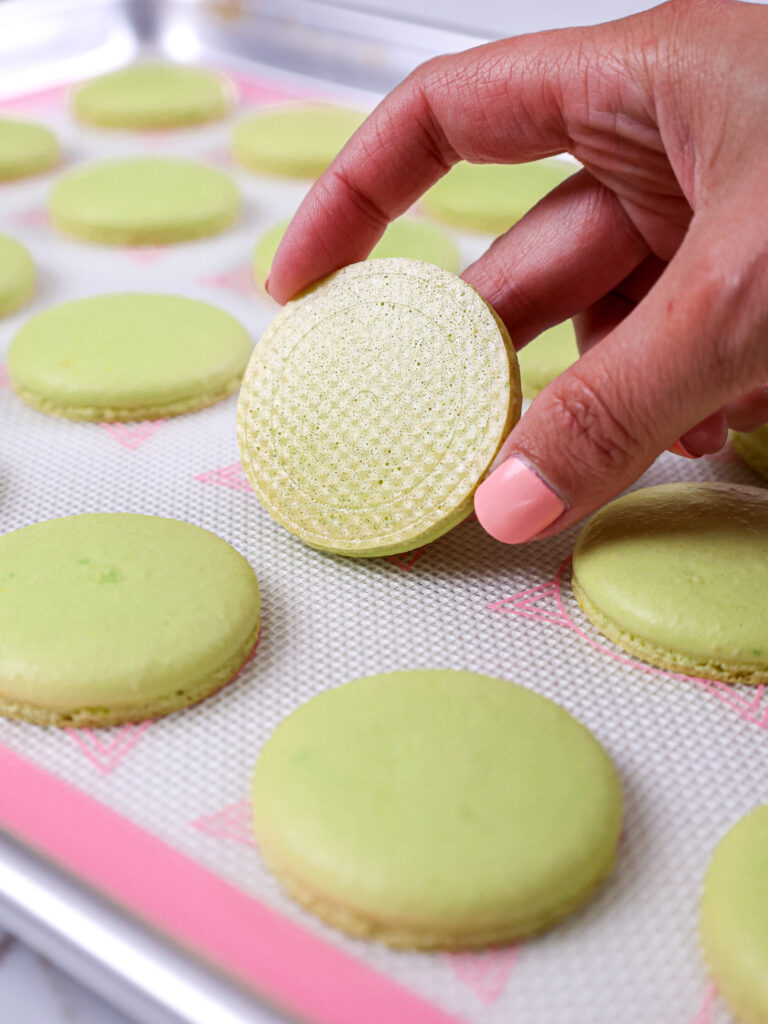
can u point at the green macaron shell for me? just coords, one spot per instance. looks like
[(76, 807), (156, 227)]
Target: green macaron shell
[(17, 275), (734, 917), (677, 574), (152, 95), (296, 139), (546, 357), (26, 148), (753, 448), (436, 809), (374, 404), (130, 356), (144, 201), (118, 617), (405, 237), (492, 197)]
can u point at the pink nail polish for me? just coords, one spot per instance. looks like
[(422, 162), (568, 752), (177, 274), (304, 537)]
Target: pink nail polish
[(678, 448), (514, 504)]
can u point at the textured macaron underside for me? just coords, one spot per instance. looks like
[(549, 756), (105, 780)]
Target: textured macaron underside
[(373, 405), (435, 809), (677, 575)]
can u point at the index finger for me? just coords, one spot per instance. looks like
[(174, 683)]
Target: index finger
[(497, 103)]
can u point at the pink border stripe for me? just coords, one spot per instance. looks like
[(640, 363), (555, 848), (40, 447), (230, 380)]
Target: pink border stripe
[(294, 968)]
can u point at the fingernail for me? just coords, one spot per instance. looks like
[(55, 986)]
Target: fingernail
[(266, 284), (678, 448), (514, 504)]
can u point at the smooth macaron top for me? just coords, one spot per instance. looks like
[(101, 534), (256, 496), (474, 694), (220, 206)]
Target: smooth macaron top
[(546, 357), (118, 610), (373, 405), (17, 275), (127, 352), (442, 807), (152, 95), (683, 567), (26, 148)]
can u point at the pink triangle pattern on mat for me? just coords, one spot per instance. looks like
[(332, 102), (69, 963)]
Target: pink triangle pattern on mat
[(486, 973), (544, 603), (406, 559), (104, 754), (231, 822), (44, 99), (132, 435), (706, 1012), (232, 476), (259, 92), (221, 156), (145, 255), (5, 380), (239, 280), (32, 217)]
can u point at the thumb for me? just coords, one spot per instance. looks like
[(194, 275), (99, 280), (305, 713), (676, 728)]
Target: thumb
[(691, 346)]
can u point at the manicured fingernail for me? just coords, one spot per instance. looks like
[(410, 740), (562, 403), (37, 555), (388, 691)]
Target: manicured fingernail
[(514, 504), (266, 284), (678, 448)]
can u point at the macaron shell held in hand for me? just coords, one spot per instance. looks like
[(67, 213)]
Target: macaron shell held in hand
[(546, 357), (373, 405), (26, 148), (119, 618), (492, 197), (152, 95), (436, 809), (17, 275), (127, 357), (405, 237), (144, 201), (294, 139), (734, 917), (677, 575), (753, 448)]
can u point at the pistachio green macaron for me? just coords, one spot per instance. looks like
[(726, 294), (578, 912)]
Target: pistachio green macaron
[(152, 95), (111, 618), (492, 197), (734, 917), (436, 809), (546, 357), (17, 275), (677, 575), (373, 405), (143, 201), (753, 448), (406, 237), (126, 357), (26, 148), (293, 139)]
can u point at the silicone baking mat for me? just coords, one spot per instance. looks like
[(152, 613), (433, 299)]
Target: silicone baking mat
[(174, 793)]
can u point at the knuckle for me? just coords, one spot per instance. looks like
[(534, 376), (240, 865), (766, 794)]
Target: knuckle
[(601, 437)]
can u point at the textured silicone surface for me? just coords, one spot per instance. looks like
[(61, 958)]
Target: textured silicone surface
[(678, 574), (373, 405), (144, 201), (152, 95), (436, 809)]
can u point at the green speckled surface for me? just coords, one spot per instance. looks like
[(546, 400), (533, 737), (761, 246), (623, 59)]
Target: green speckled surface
[(446, 804), (734, 917), (123, 356)]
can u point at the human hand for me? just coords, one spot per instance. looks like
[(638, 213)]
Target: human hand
[(658, 247)]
